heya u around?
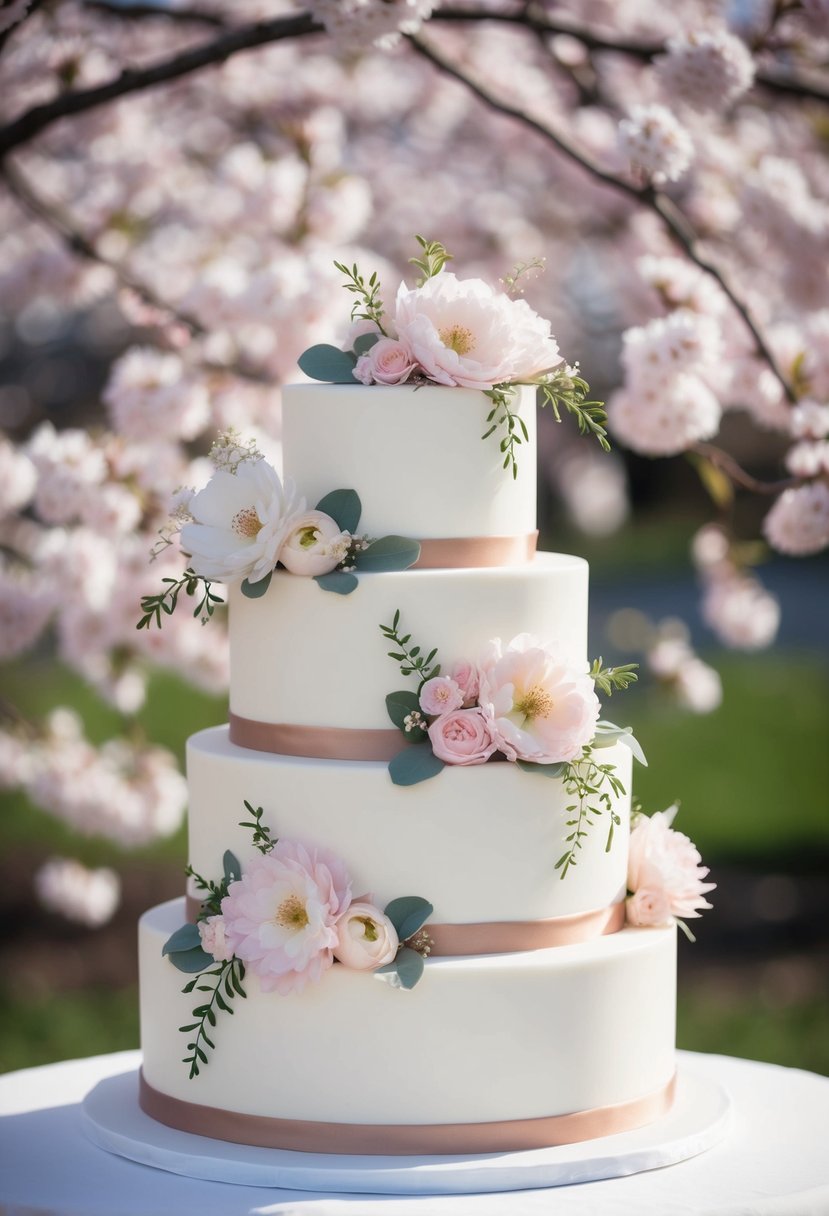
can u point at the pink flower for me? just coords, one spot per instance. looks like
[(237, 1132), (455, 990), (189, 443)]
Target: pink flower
[(539, 706), (313, 544), (665, 872), (465, 676), (212, 934), (462, 737), (281, 916), (366, 938), (387, 362), (440, 695)]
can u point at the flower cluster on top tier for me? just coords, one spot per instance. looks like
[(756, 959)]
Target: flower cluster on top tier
[(665, 873)]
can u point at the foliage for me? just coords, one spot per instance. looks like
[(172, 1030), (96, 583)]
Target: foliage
[(166, 602), (594, 786)]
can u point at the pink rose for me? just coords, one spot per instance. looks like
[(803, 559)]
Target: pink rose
[(366, 938), (465, 676), (212, 934), (462, 737), (648, 908), (440, 695), (665, 874), (386, 362)]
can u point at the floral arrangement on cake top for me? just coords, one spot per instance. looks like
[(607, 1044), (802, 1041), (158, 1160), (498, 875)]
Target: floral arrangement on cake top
[(462, 333), (288, 919), (246, 521)]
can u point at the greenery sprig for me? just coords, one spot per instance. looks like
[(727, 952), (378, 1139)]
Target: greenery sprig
[(511, 280), (610, 678), (263, 840), (411, 661), (368, 306), (227, 984), (563, 390), (593, 786), (214, 892), (435, 256), (166, 602), (502, 415)]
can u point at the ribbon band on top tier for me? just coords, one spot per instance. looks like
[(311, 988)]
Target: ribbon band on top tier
[(469, 552), (311, 1136), (508, 936)]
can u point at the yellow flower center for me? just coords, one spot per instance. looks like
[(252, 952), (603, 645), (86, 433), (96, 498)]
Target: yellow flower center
[(369, 928), (536, 703), (291, 913), (458, 338), (308, 537), (247, 523)]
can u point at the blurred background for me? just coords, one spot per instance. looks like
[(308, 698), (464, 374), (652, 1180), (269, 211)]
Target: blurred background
[(166, 257)]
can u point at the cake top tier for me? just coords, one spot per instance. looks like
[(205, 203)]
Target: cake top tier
[(415, 456)]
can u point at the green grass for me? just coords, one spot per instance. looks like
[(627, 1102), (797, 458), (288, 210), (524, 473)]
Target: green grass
[(795, 1036), (38, 1030)]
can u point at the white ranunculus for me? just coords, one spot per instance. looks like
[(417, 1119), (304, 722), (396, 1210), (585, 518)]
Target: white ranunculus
[(313, 544), (241, 520), (366, 938), (462, 332)]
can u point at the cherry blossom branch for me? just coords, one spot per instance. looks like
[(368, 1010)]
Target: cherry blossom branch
[(674, 220), (12, 29), (183, 15), (727, 464)]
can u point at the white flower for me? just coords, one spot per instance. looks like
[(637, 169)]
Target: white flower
[(241, 521), (17, 478), (707, 69), (366, 938), (809, 458), (656, 142), (810, 420), (462, 332), (798, 522), (698, 687), (313, 544), (667, 420)]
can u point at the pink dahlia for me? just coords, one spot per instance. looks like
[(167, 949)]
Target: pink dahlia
[(665, 872), (539, 706), (281, 916)]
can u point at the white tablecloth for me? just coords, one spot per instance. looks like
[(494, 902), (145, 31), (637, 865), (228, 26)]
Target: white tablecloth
[(774, 1162)]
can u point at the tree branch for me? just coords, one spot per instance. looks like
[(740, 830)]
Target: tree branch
[(184, 15), (676, 223), (12, 29), (725, 461)]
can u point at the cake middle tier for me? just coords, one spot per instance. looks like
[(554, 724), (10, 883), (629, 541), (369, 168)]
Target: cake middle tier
[(480, 843), (306, 657)]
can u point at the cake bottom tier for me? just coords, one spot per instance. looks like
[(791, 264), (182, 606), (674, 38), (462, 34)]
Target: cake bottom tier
[(490, 1053)]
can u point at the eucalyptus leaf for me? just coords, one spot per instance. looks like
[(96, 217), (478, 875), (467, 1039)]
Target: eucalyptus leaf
[(364, 343), (544, 770), (183, 939), (232, 869), (409, 967), (389, 553), (413, 765), (607, 734), (192, 960), (328, 363), (344, 507), (633, 743), (400, 705), (255, 591), (341, 582), (408, 913)]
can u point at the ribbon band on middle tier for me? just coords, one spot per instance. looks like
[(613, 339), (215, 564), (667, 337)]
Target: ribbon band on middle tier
[(476, 552), (315, 742)]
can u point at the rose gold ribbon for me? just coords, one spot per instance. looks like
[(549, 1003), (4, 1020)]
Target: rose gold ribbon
[(317, 742), (306, 1136), (507, 936), (468, 552)]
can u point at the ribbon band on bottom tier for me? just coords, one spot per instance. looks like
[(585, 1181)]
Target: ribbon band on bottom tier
[(310, 1136)]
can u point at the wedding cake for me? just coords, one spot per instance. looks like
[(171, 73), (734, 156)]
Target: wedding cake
[(412, 877)]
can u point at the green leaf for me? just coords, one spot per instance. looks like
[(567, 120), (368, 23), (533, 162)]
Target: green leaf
[(183, 939), (341, 582), (328, 364), (607, 734), (400, 705), (344, 507), (633, 743), (364, 343), (255, 591), (544, 770), (408, 966), (389, 553), (413, 765), (232, 868), (193, 960), (408, 913)]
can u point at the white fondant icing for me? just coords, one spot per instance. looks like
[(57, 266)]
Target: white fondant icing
[(308, 657), (479, 1039), (415, 457), (480, 843)]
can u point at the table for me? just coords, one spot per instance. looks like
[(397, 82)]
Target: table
[(775, 1162)]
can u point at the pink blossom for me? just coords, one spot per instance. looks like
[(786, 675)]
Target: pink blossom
[(366, 938), (665, 872), (656, 143), (666, 420), (440, 695), (386, 362), (463, 736), (540, 707), (281, 916), (68, 888), (213, 941), (707, 69), (799, 520), (465, 675)]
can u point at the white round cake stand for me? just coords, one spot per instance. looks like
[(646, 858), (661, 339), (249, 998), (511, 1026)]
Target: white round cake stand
[(113, 1120)]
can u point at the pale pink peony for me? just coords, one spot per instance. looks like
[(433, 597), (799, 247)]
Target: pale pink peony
[(281, 916), (440, 695), (213, 940), (462, 332), (539, 706), (314, 544), (463, 736), (665, 872), (366, 938), (465, 675), (386, 362)]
